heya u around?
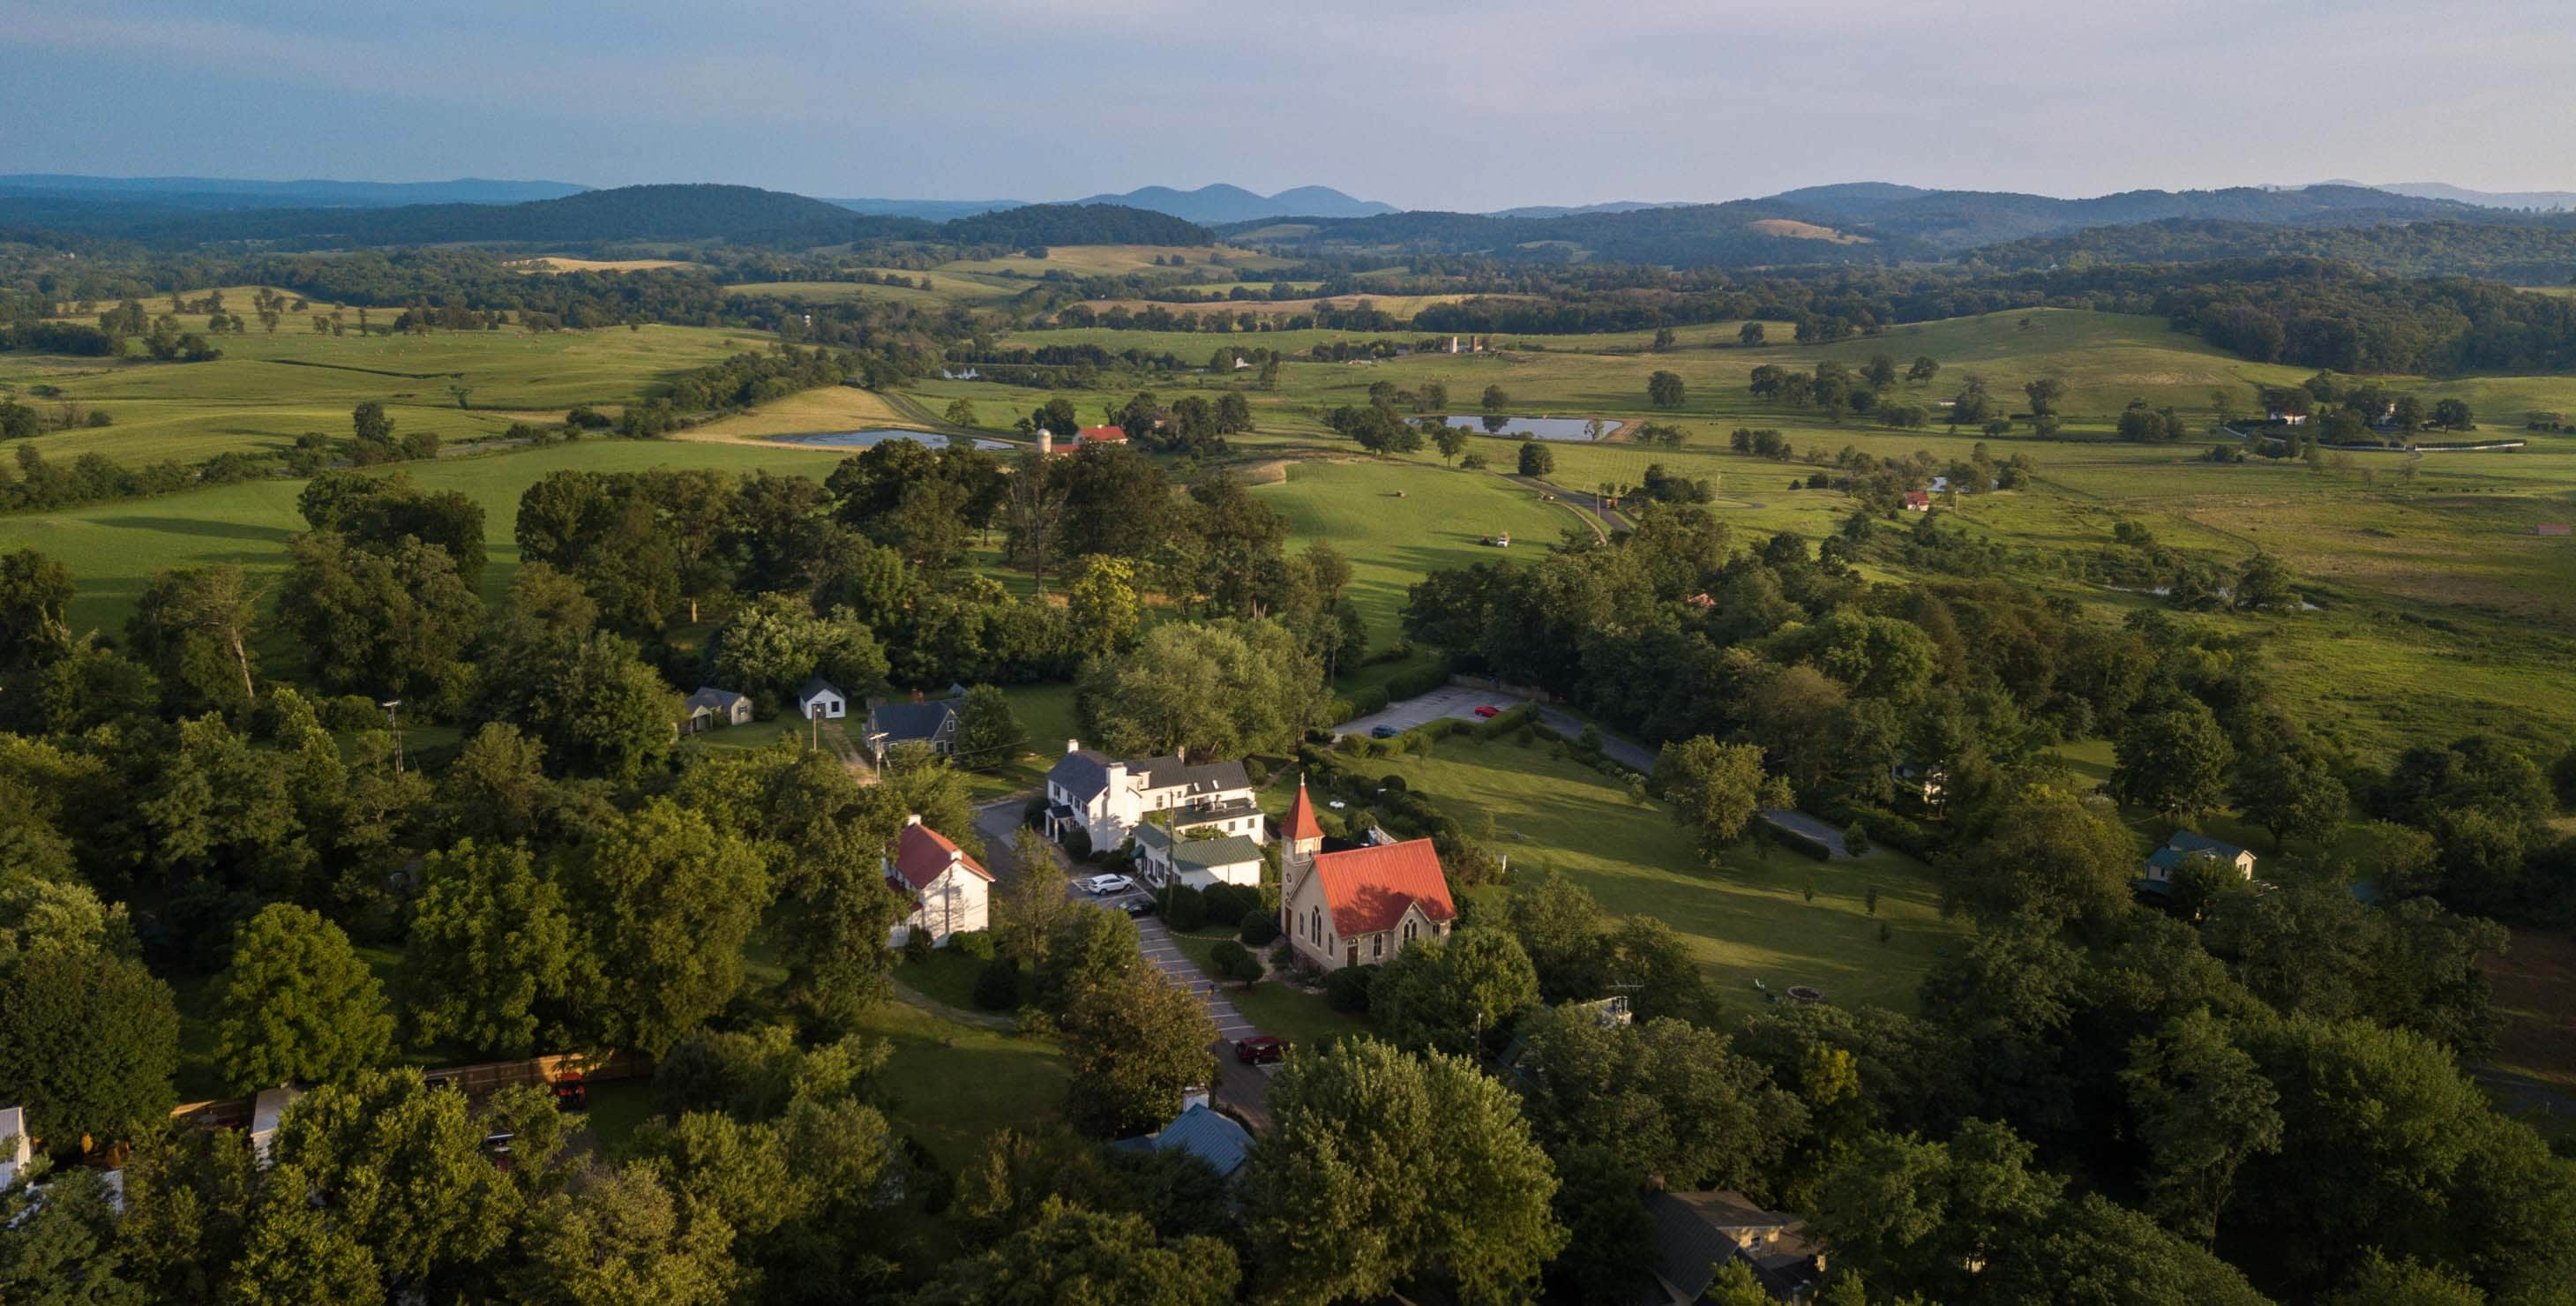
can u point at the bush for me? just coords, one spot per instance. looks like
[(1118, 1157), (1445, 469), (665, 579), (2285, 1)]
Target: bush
[(1031, 1022), (1372, 699), (1260, 929), (916, 945), (1228, 904), (998, 987), (1799, 844), (1417, 682), (1184, 908), (1245, 970), (1077, 844), (973, 943), (352, 712), (1255, 771), (1347, 989), (1855, 839), (1226, 955)]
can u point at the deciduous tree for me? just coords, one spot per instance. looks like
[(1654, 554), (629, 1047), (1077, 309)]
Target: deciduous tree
[(298, 1006)]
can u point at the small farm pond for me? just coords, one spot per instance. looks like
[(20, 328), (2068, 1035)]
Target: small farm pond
[(873, 438), (1545, 428)]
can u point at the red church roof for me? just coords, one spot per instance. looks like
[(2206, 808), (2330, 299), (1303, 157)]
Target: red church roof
[(1301, 817), (1101, 434), (921, 853), (1369, 888)]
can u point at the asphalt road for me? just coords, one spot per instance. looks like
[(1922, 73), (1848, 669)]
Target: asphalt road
[(1447, 701)]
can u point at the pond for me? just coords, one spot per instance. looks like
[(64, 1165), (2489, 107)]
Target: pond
[(872, 438), (1545, 428)]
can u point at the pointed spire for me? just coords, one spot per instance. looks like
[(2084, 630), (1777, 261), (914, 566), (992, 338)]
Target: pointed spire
[(1301, 817)]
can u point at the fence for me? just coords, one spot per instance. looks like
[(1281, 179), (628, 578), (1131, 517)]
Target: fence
[(475, 1081)]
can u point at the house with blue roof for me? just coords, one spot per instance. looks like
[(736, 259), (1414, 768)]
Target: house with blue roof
[(2160, 866), (933, 722), (1200, 1131)]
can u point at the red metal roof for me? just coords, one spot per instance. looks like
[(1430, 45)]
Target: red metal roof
[(1095, 434), (1369, 888), (1301, 816), (921, 853), (1918, 497)]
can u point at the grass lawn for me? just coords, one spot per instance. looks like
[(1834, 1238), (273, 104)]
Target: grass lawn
[(1278, 1009), (616, 1108), (1750, 920), (949, 1085), (948, 976)]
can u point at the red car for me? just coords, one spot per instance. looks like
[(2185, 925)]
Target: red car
[(1260, 1050), (1489, 711)]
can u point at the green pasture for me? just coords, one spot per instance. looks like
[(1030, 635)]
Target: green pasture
[(1396, 521), (268, 389), (114, 548), (1749, 919)]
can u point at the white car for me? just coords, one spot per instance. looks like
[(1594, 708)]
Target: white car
[(1105, 884)]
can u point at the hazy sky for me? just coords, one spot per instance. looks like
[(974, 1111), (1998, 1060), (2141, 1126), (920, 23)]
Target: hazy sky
[(1422, 105)]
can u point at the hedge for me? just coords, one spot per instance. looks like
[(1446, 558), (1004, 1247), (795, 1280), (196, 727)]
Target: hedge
[(1228, 904), (973, 943), (1260, 929)]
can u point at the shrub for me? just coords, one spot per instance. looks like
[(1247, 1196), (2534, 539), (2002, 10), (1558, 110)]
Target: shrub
[(1417, 682), (1245, 970), (352, 712), (1372, 699), (1033, 1022), (1855, 839), (973, 943), (1227, 956), (1255, 771), (1347, 989), (1184, 908), (916, 945), (1228, 904), (1393, 784), (998, 987), (1077, 844), (1590, 740), (1260, 929), (1795, 843)]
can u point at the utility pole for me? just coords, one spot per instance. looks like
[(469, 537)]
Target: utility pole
[(393, 717)]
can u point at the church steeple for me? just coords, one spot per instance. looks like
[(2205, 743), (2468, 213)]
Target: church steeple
[(1302, 827)]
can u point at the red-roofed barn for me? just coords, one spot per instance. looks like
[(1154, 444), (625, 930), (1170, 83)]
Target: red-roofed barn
[(951, 893), (1357, 906)]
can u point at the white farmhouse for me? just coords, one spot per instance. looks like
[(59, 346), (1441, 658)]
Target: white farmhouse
[(950, 891)]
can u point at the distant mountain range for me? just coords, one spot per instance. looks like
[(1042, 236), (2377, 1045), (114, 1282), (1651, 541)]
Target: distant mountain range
[(235, 193), (1851, 223), (2485, 199)]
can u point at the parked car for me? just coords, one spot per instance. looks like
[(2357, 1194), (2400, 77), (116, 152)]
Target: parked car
[(1383, 732), (1489, 711), (1137, 906), (571, 1094), (1106, 884), (1260, 1050)]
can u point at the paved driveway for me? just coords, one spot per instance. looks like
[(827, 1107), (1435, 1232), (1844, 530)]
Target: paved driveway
[(1244, 1088), (1446, 701), (999, 823)]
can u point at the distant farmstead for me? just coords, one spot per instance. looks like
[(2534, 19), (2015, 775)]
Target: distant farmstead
[(2560, 529)]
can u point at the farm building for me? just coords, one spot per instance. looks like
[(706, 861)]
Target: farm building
[(2559, 529), (1917, 501)]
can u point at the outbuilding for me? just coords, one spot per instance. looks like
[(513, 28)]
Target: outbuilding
[(820, 699)]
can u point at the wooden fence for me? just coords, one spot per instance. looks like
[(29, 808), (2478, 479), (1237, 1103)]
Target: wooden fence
[(475, 1081)]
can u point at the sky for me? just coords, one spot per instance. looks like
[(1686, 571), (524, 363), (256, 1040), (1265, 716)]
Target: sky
[(1423, 105)]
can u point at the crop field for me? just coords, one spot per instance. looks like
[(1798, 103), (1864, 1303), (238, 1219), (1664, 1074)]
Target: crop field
[(1752, 919), (268, 389), (1398, 305)]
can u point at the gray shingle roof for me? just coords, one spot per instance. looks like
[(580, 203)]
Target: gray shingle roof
[(814, 685), (906, 722), (1205, 778), (710, 696), (1081, 773)]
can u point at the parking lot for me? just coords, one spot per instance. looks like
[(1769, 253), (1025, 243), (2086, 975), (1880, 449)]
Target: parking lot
[(1448, 701)]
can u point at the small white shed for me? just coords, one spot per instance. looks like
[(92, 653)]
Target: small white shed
[(821, 698)]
